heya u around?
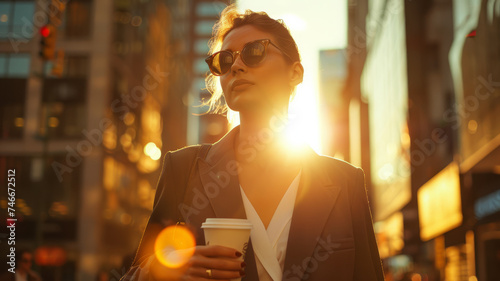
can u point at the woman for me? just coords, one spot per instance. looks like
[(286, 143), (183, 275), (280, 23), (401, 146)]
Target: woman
[(310, 214)]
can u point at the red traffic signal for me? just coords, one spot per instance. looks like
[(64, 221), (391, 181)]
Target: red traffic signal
[(47, 41), (45, 31)]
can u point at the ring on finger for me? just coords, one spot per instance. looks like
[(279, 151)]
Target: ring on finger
[(209, 272)]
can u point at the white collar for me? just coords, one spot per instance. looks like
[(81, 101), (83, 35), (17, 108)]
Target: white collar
[(265, 241)]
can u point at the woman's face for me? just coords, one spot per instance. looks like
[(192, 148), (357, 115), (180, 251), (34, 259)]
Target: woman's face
[(270, 86)]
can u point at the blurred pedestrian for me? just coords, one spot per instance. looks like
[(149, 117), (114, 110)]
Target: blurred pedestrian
[(23, 271)]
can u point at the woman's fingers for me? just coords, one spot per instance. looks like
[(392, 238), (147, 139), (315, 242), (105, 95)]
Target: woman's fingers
[(216, 273), (217, 263), (217, 251), (222, 261)]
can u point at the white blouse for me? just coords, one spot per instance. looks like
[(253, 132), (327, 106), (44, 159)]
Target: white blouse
[(270, 245)]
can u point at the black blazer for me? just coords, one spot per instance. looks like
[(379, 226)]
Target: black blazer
[(331, 234)]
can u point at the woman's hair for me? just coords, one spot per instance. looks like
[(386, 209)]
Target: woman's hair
[(229, 20)]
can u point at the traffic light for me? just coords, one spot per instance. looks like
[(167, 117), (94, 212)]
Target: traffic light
[(58, 67), (47, 41)]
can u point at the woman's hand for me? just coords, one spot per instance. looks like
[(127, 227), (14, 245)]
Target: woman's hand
[(223, 262)]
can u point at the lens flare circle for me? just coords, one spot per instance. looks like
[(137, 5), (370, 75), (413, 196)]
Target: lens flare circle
[(174, 246)]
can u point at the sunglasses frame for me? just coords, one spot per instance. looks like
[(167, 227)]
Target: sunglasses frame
[(264, 42)]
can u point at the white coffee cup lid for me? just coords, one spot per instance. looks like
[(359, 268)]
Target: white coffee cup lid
[(227, 223)]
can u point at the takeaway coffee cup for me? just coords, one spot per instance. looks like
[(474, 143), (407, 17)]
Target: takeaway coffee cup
[(233, 233)]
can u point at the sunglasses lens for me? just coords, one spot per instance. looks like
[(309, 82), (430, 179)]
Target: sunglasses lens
[(221, 63), (253, 53)]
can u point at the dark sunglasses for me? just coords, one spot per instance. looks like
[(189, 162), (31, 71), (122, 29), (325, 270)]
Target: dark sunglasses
[(252, 54)]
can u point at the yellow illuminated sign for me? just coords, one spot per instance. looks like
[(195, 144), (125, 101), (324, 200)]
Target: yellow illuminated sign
[(439, 206)]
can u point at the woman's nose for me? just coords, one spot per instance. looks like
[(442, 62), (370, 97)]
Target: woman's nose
[(238, 64)]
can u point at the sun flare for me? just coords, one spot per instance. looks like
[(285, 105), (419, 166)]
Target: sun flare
[(174, 246)]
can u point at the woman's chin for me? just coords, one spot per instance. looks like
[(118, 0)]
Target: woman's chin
[(244, 101)]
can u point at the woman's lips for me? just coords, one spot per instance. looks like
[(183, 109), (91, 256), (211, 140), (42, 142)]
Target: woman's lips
[(240, 85)]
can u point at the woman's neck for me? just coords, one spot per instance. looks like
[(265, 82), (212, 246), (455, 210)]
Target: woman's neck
[(261, 139)]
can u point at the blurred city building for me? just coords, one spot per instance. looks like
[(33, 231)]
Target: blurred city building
[(334, 105), (429, 73), (474, 61), (85, 123), (205, 128)]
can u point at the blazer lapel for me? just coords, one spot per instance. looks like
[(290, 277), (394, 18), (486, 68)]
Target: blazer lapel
[(220, 182), (316, 196)]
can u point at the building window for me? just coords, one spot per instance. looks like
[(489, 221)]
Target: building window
[(13, 97), (209, 9), (15, 16), (61, 197), (63, 108), (76, 19), (204, 27), (61, 203), (63, 112), (14, 65), (73, 66), (201, 46), (14, 69), (200, 66)]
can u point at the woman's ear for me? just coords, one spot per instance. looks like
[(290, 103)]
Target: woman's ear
[(296, 74)]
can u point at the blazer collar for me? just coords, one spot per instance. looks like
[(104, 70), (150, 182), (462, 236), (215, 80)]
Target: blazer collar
[(316, 196)]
